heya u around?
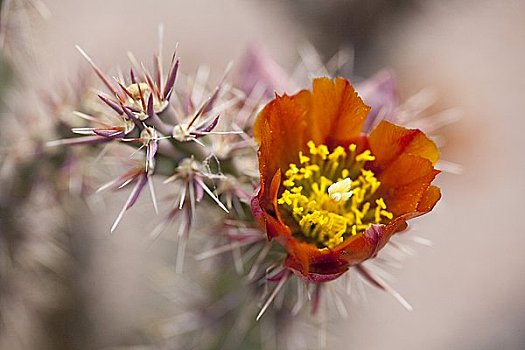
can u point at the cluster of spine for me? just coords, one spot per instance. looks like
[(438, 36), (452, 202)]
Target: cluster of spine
[(177, 135)]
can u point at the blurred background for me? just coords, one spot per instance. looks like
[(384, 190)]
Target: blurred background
[(67, 284)]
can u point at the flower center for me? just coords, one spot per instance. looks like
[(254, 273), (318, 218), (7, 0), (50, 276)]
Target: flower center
[(330, 195)]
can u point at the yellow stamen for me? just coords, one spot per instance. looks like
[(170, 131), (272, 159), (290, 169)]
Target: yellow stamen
[(303, 159), (326, 205), (366, 156)]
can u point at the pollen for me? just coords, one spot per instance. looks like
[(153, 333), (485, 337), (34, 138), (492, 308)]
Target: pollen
[(330, 196), (340, 191)]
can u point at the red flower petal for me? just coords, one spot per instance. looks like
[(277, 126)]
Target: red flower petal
[(322, 265)]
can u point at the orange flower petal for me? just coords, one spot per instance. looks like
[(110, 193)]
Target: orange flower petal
[(389, 141), (337, 113), (279, 129), (404, 183), (429, 199)]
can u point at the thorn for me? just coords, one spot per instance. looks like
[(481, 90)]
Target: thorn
[(422, 241), (211, 194), (98, 71), (111, 104), (93, 139), (381, 284), (172, 76), (272, 296), (131, 200), (90, 118), (223, 249), (264, 252), (182, 196), (153, 196)]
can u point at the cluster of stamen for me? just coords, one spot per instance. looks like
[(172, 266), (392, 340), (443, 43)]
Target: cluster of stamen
[(330, 195)]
